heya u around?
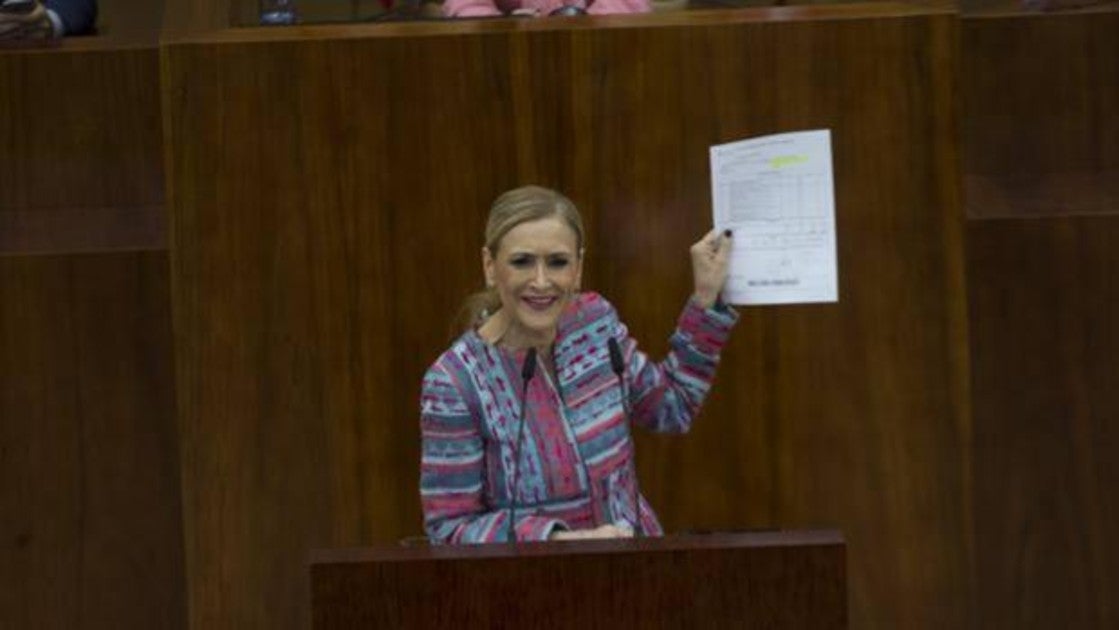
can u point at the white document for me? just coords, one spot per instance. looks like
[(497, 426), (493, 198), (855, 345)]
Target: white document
[(776, 193)]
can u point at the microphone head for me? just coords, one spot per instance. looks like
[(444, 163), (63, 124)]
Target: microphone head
[(617, 363), (529, 367)]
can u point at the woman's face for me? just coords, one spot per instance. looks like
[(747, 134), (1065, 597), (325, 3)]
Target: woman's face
[(536, 270)]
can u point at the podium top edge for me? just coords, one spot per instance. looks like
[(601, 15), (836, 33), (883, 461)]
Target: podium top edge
[(672, 542)]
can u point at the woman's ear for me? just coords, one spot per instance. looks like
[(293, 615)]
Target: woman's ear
[(579, 271), (487, 267)]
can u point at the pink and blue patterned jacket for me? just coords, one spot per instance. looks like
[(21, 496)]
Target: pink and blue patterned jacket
[(576, 457)]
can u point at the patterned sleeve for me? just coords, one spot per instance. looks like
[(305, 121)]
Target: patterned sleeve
[(452, 470), (666, 396)]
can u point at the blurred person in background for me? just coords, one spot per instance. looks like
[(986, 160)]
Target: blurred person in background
[(31, 19), (539, 8)]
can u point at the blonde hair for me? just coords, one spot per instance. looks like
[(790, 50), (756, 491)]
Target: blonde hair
[(510, 209)]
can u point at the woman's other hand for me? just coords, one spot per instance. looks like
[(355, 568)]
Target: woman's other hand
[(604, 531), (710, 262)]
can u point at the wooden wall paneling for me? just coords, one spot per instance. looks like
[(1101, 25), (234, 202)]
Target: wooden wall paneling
[(1041, 113), (1043, 299), (89, 484), (129, 17), (1040, 100), (851, 414), (182, 17), (89, 479), (288, 388), (83, 150), (319, 259)]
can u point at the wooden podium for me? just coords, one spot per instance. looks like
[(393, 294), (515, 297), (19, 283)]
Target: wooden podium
[(729, 580)]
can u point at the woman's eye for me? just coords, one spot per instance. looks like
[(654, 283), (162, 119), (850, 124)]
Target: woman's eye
[(557, 263), (521, 262)]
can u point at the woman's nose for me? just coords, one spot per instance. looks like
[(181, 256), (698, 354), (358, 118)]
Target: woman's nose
[(540, 278)]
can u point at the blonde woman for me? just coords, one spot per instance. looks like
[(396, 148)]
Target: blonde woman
[(526, 419)]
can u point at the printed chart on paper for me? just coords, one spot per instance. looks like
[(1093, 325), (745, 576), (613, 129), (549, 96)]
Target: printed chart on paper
[(776, 193)]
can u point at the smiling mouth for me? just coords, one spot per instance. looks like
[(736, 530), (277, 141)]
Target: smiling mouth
[(539, 302)]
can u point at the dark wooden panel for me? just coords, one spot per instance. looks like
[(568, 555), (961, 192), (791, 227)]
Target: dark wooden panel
[(198, 16), (319, 259), (122, 17), (763, 580), (91, 534), (1044, 302), (1040, 122), (851, 414), (77, 230), (288, 385), (81, 129)]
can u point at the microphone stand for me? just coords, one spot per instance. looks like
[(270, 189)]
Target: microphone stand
[(618, 365), (528, 368)]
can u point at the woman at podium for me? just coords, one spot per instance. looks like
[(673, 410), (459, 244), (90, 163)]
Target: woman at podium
[(526, 417)]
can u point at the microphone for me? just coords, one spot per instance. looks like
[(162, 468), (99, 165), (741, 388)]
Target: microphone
[(618, 365), (528, 369), (568, 10)]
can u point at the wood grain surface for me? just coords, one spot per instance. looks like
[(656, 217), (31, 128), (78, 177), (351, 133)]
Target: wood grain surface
[(1040, 125), (120, 18), (1041, 146), (770, 580), (91, 534), (89, 481), (199, 16), (83, 148), (327, 205), (1045, 333)]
